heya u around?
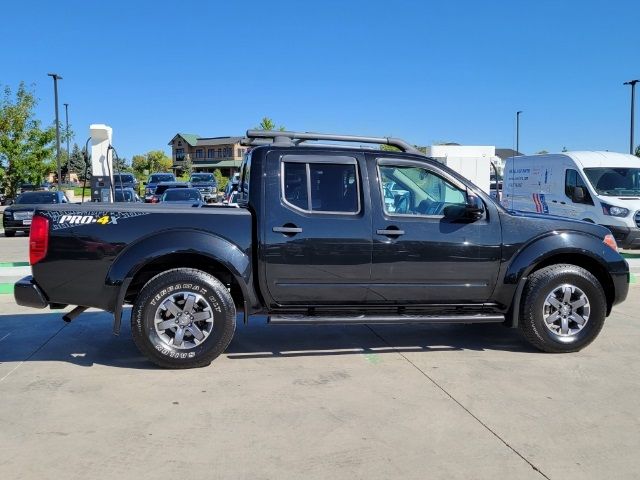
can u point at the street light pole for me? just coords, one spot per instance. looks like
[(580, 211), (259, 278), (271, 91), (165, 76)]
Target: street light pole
[(518, 131), (633, 106), (57, 77), (66, 134)]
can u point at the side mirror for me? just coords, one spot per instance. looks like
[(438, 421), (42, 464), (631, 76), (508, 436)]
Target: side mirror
[(472, 210), (578, 195)]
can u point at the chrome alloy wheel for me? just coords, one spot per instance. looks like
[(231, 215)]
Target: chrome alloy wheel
[(566, 310), (184, 320)]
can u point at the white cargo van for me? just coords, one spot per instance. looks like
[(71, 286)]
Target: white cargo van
[(598, 187)]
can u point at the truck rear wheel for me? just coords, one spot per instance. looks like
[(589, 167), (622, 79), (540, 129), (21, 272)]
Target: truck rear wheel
[(183, 318), (563, 308)]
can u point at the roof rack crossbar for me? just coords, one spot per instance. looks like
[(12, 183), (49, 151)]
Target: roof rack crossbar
[(271, 137)]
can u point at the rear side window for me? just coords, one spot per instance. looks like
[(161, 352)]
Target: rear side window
[(323, 185)]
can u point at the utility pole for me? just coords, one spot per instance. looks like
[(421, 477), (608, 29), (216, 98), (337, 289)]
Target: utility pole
[(518, 131), (66, 134), (57, 77), (633, 107)]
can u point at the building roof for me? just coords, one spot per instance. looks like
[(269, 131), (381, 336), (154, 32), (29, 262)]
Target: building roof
[(210, 141), (190, 138), (504, 153), (210, 163)]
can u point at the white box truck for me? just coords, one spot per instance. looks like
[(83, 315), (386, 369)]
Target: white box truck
[(472, 162), (597, 187)]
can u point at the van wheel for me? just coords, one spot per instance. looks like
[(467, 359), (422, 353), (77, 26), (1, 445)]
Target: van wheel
[(563, 308), (183, 318)]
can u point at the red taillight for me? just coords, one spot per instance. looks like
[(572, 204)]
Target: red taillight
[(610, 241), (38, 239)]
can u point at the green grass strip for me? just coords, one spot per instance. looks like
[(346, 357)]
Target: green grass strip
[(633, 278), (631, 255), (6, 288), (14, 264)]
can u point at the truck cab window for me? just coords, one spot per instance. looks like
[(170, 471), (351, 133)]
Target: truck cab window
[(410, 190), (572, 180), (321, 187)]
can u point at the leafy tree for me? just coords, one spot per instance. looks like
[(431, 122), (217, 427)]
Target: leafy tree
[(542, 152), (221, 180), (187, 166), (637, 154), (121, 165), (26, 149), (268, 124), (389, 148), (564, 149), (153, 161)]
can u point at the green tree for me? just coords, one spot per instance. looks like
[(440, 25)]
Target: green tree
[(159, 161), (26, 149), (542, 152), (77, 162), (153, 161), (221, 180), (187, 166), (637, 154), (268, 124)]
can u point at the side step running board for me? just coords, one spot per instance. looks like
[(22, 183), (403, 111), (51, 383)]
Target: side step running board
[(365, 319)]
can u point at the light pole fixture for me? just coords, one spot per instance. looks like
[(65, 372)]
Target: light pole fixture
[(66, 134), (633, 106), (518, 131), (57, 77)]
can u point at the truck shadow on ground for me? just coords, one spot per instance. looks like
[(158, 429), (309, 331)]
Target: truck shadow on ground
[(88, 340)]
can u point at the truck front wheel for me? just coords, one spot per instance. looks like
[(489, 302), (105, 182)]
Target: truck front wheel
[(563, 308), (183, 318)]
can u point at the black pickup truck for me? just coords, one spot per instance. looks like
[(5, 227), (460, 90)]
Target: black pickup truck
[(326, 234)]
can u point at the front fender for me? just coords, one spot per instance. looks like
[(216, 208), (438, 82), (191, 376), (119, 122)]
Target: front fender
[(557, 244), (562, 242)]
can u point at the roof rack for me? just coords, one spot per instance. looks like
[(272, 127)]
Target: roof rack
[(289, 139)]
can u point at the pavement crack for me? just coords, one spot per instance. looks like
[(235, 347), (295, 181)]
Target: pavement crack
[(469, 412), (34, 352)]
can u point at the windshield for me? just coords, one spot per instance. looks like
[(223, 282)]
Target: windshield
[(31, 198), (162, 177), (125, 177), (611, 181), (124, 196), (202, 177), (181, 195)]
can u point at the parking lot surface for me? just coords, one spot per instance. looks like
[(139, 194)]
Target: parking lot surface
[(316, 402)]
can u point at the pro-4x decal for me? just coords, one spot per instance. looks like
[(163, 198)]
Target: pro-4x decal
[(68, 219)]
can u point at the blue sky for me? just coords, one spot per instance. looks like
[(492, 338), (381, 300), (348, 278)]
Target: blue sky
[(423, 70)]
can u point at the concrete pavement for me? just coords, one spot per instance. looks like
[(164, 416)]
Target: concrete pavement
[(317, 402)]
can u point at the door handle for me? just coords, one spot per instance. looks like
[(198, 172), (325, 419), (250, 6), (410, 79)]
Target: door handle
[(287, 229), (390, 232)]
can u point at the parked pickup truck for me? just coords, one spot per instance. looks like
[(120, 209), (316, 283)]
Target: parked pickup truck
[(326, 234)]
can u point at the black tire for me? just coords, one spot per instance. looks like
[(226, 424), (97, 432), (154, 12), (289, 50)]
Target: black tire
[(541, 284), (9, 233), (164, 289)]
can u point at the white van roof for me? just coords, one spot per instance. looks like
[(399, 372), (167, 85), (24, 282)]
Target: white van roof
[(603, 159), (588, 159)]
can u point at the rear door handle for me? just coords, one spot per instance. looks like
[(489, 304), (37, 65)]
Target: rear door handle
[(287, 229), (391, 232)]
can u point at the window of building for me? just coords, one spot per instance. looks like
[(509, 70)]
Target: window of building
[(219, 153), (179, 153), (322, 186), (211, 153), (199, 153)]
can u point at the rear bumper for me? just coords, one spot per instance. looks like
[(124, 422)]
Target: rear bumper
[(626, 237), (28, 294)]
